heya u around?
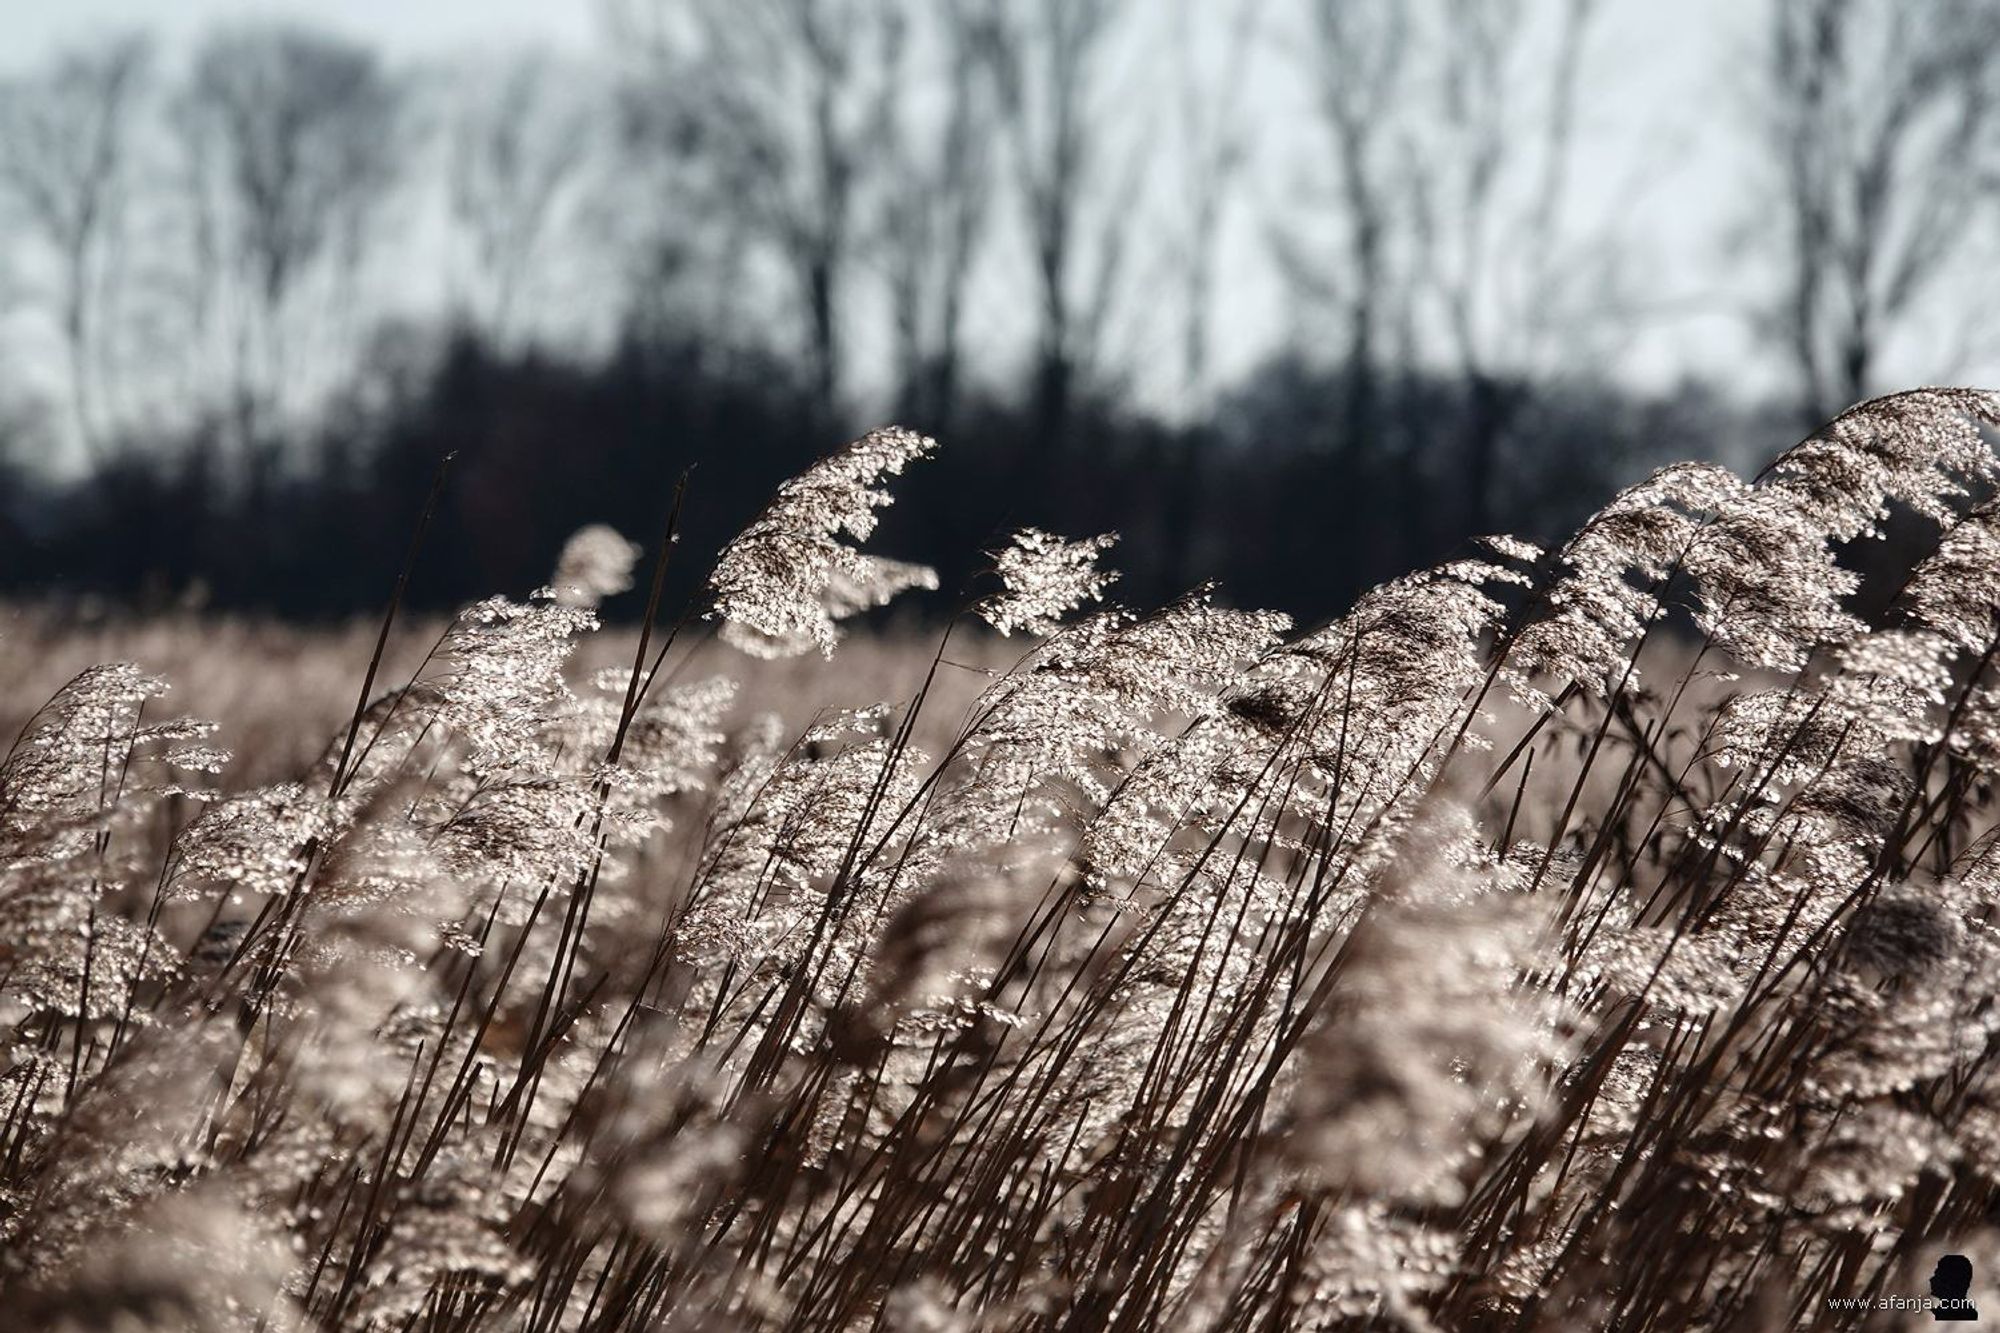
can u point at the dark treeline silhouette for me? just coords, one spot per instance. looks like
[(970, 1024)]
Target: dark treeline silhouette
[(1270, 499)]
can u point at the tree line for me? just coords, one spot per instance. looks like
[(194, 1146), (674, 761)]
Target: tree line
[(255, 288)]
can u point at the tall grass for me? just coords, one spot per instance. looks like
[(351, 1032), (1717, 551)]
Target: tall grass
[(1431, 969)]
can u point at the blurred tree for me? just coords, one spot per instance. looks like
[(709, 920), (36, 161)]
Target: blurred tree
[(1451, 124), (934, 206), (772, 111), (1879, 121), (1211, 80), (1358, 60), (518, 143), (65, 140), (290, 145), (1081, 198)]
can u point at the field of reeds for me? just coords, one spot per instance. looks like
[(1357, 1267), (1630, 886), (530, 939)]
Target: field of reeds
[(1597, 937)]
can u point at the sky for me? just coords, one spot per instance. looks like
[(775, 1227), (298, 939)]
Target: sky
[(407, 27), (1662, 162)]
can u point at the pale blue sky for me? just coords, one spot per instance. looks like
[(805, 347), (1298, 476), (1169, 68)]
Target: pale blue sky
[(31, 27), (1663, 165)]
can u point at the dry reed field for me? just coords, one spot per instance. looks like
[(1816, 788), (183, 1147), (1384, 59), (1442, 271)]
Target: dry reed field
[(1595, 937)]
